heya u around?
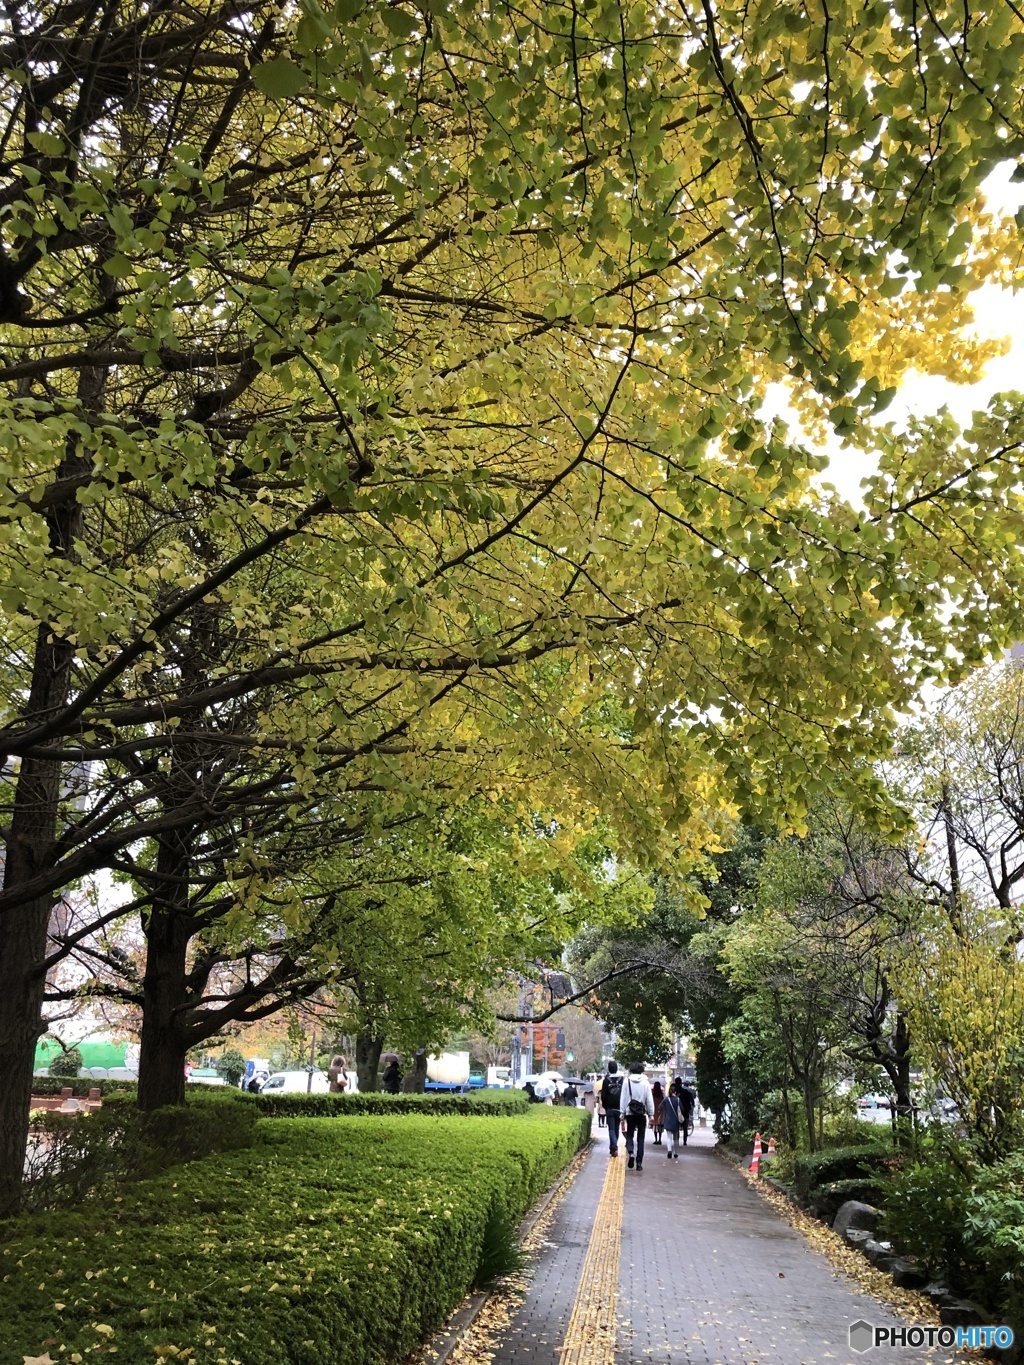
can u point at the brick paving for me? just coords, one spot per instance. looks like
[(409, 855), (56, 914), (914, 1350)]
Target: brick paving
[(709, 1274)]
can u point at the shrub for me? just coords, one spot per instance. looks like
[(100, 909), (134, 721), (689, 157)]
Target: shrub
[(994, 1237), (479, 1102), (231, 1066), (74, 1155), (81, 1085), (500, 1249), (345, 1242), (826, 1200), (924, 1213), (837, 1163), (68, 1062)]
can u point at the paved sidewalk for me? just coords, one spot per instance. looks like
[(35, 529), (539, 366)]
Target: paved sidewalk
[(709, 1274)]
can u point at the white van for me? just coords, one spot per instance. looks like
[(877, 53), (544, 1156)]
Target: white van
[(296, 1083)]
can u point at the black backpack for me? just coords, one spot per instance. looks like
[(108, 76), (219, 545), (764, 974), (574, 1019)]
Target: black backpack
[(611, 1092)]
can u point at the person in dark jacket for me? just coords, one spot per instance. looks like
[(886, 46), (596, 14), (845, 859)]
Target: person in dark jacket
[(687, 1101), (611, 1091), (391, 1081)]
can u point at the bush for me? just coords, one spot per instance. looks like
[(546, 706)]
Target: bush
[(68, 1062), (75, 1155), (231, 1066), (478, 1102), (837, 1163), (81, 1085), (342, 1242), (826, 1200), (993, 1236), (925, 1209), (500, 1249)]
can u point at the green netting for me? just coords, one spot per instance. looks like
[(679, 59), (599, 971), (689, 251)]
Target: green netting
[(93, 1054)]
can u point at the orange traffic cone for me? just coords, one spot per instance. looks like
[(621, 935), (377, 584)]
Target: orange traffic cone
[(771, 1146), (756, 1158)]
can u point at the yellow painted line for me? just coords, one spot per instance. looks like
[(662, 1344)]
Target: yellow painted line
[(590, 1336)]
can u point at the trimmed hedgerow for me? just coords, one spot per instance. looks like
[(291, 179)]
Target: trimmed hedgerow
[(836, 1163), (321, 1243), (78, 1085), (77, 1156), (497, 1102)]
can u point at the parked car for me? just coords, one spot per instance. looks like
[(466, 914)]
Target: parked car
[(296, 1083)]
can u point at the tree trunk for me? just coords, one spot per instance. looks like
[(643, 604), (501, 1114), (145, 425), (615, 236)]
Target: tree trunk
[(808, 1089), (787, 1117), (368, 1050), (30, 850), (22, 977), (163, 1040), (415, 1082)]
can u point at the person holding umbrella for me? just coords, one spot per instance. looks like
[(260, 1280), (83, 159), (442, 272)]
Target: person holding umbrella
[(391, 1081)]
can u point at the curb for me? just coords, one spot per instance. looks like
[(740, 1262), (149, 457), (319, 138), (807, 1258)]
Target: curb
[(442, 1344)]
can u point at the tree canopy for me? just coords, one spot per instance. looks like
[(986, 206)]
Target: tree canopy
[(381, 412)]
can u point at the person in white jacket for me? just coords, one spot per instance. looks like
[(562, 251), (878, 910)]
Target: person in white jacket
[(637, 1104)]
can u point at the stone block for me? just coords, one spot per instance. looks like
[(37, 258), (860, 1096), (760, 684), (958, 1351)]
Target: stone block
[(939, 1293), (909, 1274), (880, 1254), (857, 1238), (854, 1214), (963, 1313)]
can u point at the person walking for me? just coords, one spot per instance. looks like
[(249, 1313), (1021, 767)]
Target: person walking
[(658, 1095), (687, 1100), (337, 1074), (391, 1081), (671, 1119), (611, 1093), (638, 1106)]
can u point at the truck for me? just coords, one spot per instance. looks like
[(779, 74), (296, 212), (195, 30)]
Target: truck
[(448, 1071), (499, 1078)]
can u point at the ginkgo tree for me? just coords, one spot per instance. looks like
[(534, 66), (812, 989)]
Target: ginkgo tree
[(381, 412)]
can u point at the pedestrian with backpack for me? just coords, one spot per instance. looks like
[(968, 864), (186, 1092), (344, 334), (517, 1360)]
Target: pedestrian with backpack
[(637, 1106), (611, 1093)]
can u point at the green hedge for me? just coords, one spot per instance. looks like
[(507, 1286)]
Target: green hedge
[(81, 1085), (79, 1156), (499, 1102), (836, 1163), (320, 1244), (78, 1085)]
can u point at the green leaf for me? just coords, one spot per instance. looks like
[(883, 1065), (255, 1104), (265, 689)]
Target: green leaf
[(279, 78), (402, 25)]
